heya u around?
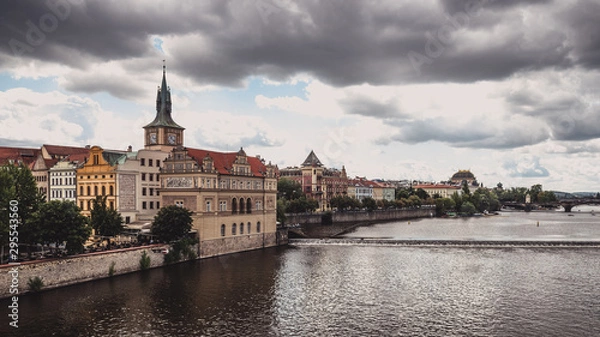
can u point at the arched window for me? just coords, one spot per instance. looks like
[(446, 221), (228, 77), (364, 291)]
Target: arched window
[(110, 190), (249, 227), (223, 230), (233, 229), (242, 205), (241, 228), (103, 190), (81, 190), (95, 190), (249, 206), (89, 205), (258, 227), (234, 206), (89, 191)]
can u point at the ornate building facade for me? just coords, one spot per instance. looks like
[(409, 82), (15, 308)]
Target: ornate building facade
[(232, 197), (317, 181)]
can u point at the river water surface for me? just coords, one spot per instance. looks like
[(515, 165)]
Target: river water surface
[(331, 290)]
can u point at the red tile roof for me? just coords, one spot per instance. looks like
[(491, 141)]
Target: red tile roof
[(16, 154), (62, 151), (223, 161), (79, 158)]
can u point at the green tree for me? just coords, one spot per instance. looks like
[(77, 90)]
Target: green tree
[(172, 223), (466, 192), (404, 193), (458, 201), (106, 221), (369, 203), (60, 221), (421, 194), (546, 196), (534, 191), (443, 205), (468, 208), (414, 200), (289, 189), (302, 205), (17, 183), (281, 206)]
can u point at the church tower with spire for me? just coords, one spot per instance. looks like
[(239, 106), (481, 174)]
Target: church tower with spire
[(163, 133)]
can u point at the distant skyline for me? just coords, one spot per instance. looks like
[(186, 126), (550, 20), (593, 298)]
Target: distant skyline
[(389, 89)]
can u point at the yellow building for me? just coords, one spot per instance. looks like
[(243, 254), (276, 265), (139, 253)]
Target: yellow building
[(98, 177)]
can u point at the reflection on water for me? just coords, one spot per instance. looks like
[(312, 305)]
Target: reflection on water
[(345, 291)]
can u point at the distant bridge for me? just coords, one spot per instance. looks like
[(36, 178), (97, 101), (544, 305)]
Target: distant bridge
[(567, 204)]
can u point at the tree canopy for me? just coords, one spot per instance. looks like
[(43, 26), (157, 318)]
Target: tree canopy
[(106, 221), (61, 221), (17, 183), (172, 223), (289, 189)]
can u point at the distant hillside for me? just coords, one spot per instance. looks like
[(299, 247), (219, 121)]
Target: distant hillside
[(567, 195), (585, 194), (563, 195)]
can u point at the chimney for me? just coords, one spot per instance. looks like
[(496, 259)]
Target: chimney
[(129, 148), (87, 146)]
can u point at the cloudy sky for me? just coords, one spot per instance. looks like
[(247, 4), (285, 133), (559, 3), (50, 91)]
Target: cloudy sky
[(390, 89)]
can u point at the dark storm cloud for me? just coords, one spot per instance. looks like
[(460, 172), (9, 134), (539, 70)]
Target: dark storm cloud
[(568, 117), (341, 42), (366, 106), (584, 22), (453, 6), (468, 134)]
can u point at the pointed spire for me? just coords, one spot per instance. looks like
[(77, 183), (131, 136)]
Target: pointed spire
[(312, 160), (163, 105)]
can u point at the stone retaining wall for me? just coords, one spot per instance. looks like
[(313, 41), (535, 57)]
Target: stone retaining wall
[(363, 216), (238, 243), (81, 268)]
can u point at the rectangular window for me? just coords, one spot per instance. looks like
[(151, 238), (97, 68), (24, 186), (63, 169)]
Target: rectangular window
[(158, 204), (143, 205), (143, 176), (208, 204), (258, 205), (151, 176), (143, 191), (151, 191), (151, 204), (143, 162), (149, 162), (222, 205)]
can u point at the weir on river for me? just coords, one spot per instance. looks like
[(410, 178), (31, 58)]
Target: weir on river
[(444, 243)]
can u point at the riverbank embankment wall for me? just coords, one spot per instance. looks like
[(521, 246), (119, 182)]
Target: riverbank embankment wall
[(311, 226), (362, 216), (60, 272)]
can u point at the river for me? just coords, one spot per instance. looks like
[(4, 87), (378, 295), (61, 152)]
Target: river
[(334, 290)]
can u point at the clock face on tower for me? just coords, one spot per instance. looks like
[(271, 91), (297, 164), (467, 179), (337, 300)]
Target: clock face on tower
[(153, 138), (171, 138)]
